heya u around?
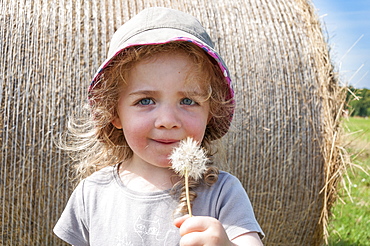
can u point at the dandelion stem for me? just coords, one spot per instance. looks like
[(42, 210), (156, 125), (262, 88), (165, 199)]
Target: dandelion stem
[(187, 191)]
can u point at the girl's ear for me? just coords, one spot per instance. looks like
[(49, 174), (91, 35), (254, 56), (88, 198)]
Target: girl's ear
[(117, 123)]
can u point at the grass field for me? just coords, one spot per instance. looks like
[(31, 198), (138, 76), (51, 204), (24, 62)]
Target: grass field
[(350, 224)]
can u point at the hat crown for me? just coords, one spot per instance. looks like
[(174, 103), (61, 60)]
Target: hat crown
[(155, 18)]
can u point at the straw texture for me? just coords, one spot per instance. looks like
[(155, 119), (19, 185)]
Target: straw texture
[(283, 144)]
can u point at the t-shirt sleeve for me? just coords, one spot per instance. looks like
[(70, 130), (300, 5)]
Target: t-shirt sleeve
[(72, 225), (235, 209)]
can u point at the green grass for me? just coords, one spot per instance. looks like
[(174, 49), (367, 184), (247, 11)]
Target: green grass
[(350, 224), (360, 127)]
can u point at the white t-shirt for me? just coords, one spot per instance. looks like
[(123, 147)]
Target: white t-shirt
[(102, 211)]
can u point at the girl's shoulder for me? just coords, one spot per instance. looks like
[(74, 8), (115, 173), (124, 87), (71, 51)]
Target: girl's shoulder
[(227, 177), (96, 182), (103, 176), (226, 181)]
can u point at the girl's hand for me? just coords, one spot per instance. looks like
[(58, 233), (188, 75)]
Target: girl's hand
[(201, 231), (207, 231)]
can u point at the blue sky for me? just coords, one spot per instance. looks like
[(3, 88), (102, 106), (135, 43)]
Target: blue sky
[(348, 31)]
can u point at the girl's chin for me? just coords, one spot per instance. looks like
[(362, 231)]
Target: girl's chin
[(163, 163)]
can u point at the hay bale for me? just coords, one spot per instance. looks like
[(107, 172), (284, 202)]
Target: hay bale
[(283, 142)]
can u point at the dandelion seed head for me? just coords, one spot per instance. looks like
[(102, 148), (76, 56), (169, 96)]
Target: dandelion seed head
[(189, 156)]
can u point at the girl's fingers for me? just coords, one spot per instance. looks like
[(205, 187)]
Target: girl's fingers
[(201, 231), (193, 239), (197, 224), (178, 221)]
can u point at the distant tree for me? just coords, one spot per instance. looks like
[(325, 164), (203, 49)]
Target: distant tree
[(358, 101)]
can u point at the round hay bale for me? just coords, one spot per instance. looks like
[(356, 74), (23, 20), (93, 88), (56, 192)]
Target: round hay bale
[(283, 141)]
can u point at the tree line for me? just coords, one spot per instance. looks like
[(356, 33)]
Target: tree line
[(358, 102)]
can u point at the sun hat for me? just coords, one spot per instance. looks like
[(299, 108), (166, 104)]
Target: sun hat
[(159, 25)]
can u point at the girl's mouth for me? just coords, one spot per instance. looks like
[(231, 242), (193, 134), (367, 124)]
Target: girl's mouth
[(166, 141)]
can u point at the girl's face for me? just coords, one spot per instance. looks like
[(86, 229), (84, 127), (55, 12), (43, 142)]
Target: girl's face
[(161, 104)]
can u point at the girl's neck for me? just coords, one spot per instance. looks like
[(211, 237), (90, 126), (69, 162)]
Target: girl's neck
[(146, 178)]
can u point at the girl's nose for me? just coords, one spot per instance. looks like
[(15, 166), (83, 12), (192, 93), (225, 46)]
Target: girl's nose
[(168, 118)]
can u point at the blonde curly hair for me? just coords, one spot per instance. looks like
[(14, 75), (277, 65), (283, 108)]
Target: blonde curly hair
[(99, 144)]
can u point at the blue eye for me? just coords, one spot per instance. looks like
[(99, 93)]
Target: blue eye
[(146, 101), (187, 101)]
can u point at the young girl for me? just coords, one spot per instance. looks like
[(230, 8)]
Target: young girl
[(161, 83)]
